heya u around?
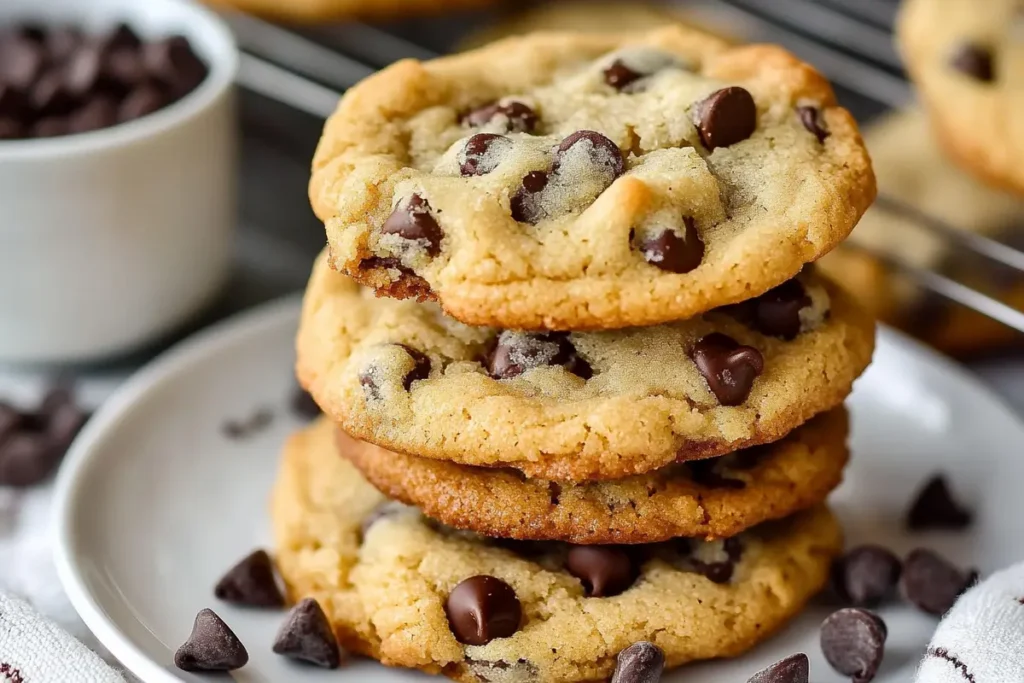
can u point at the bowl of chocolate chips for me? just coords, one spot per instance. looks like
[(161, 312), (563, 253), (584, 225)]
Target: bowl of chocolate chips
[(117, 173)]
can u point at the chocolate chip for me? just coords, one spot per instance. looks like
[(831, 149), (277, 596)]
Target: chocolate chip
[(10, 420), (703, 472), (641, 662), (27, 458), (50, 96), (935, 508), (813, 121), (249, 426), (212, 646), (733, 548), (50, 127), (515, 117), (83, 71), (369, 380), (383, 511), (619, 76), (251, 582), (141, 102), (726, 117), (306, 635), (120, 37), (865, 576), (673, 252), (483, 608), (932, 583), (853, 641), (716, 572), (172, 62), (776, 313), (21, 62), (792, 669), (525, 202), (604, 571), (411, 220), (517, 352), (61, 41), (421, 367), (99, 112), (303, 406), (11, 129), (482, 153), (122, 69), (975, 61), (12, 102), (600, 151), (728, 368)]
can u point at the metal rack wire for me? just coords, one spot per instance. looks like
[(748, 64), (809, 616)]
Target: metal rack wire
[(850, 41)]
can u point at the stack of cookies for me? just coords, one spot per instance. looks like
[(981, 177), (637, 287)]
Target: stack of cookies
[(583, 399)]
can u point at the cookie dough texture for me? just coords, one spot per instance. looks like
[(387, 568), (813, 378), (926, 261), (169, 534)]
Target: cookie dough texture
[(385, 592), (978, 121), (645, 406), (914, 170), (328, 10), (733, 493), (763, 207)]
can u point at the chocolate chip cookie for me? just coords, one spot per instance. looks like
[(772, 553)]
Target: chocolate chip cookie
[(412, 593), (568, 181), (330, 10), (578, 406), (714, 498), (967, 61)]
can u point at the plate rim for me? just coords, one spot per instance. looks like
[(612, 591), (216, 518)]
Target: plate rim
[(226, 333)]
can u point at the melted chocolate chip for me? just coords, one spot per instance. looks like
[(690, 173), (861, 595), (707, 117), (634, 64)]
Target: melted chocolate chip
[(600, 151), (411, 220), (813, 121), (726, 117), (251, 582), (482, 153), (641, 662), (483, 608), (673, 252), (935, 508), (421, 369), (776, 313), (212, 646), (792, 669), (716, 572), (307, 635), (728, 368), (866, 576), (604, 571), (517, 352), (975, 61), (853, 642), (525, 202), (619, 76), (516, 116)]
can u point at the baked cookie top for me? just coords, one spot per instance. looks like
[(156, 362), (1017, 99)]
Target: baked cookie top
[(967, 61), (573, 181), (714, 498), (578, 406), (403, 589), (329, 10)]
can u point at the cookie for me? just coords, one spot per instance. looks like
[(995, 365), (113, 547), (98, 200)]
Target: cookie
[(404, 590), (915, 171), (968, 66), (572, 181), (714, 498), (310, 11), (578, 406)]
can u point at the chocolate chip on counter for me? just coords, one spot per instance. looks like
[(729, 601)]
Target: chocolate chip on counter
[(674, 252), (728, 367), (141, 102), (482, 153), (853, 642), (776, 313), (726, 117), (172, 62), (867, 575), (249, 426), (421, 369), (932, 583), (303, 406), (813, 121), (483, 608), (212, 646), (975, 61), (517, 117), (27, 458), (517, 352), (619, 76), (604, 571), (792, 669), (251, 582), (306, 635), (935, 508), (525, 202), (411, 220), (641, 662), (600, 151)]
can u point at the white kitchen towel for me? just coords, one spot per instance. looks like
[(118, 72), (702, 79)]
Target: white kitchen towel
[(981, 640), (35, 650)]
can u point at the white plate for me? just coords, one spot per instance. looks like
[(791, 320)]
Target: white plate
[(154, 502)]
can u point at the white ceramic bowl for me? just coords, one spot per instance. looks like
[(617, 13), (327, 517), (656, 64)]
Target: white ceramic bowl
[(112, 238)]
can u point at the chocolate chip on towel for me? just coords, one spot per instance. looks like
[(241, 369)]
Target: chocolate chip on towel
[(792, 669), (251, 582), (641, 662), (935, 508), (865, 576), (212, 646), (932, 583), (853, 642), (306, 635)]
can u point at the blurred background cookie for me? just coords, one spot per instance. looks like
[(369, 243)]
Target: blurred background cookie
[(329, 10)]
